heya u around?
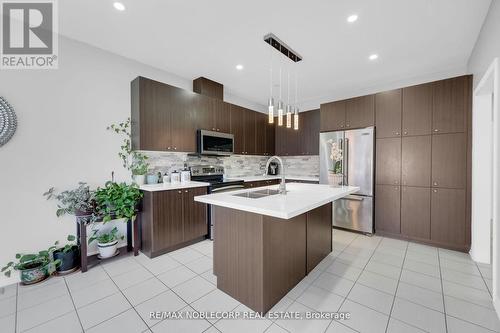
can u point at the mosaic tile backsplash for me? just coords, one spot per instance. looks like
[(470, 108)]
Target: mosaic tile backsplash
[(235, 165)]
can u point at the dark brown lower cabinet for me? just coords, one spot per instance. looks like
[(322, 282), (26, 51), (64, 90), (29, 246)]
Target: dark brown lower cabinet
[(319, 242), (387, 209), (416, 212), (171, 220), (448, 222)]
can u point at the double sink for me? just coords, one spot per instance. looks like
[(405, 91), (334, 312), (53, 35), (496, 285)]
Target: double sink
[(257, 194)]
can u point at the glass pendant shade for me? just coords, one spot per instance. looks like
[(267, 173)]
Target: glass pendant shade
[(280, 113), (288, 116), (271, 110), (296, 119)]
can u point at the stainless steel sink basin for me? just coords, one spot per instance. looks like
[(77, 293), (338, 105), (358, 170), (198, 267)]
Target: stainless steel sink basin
[(257, 194)]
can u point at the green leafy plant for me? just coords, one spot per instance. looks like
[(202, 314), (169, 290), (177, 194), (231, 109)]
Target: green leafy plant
[(106, 237), (78, 201), (68, 246), (31, 260), (118, 200), (133, 161)]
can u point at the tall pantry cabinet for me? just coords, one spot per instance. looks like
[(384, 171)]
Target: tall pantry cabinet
[(422, 177)]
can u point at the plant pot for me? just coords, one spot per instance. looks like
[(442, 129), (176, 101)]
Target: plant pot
[(33, 273), (80, 213), (335, 179), (70, 261), (140, 179), (107, 250), (152, 179)]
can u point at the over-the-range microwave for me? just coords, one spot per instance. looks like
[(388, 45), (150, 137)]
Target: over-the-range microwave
[(215, 143)]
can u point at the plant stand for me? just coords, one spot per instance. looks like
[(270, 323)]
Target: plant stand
[(133, 240)]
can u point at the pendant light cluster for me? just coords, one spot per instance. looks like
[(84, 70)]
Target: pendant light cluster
[(288, 111)]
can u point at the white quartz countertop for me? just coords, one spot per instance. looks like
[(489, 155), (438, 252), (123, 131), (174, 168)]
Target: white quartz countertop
[(170, 186), (299, 199), (259, 178)]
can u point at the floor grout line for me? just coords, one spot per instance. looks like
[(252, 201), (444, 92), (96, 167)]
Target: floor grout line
[(442, 290), (73, 302), (397, 287), (17, 300), (484, 280)]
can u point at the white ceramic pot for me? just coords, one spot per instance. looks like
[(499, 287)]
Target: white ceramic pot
[(107, 250), (140, 179)]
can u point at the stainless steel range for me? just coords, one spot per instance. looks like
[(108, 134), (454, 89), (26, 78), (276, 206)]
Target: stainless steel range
[(215, 176)]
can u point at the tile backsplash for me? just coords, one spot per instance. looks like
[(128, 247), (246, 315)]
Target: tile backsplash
[(234, 165)]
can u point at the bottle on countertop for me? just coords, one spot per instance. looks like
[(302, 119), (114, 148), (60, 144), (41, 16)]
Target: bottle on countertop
[(160, 178), (185, 174), (175, 177), (166, 178)]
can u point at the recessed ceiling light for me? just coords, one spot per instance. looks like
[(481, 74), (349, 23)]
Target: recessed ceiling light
[(352, 18), (119, 6), (239, 67), (373, 56)]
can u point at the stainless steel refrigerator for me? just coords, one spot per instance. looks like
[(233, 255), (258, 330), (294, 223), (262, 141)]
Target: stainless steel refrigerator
[(347, 158)]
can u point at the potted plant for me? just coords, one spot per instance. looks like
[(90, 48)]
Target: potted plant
[(335, 174), (68, 255), (118, 200), (133, 161), (33, 267), (107, 242), (78, 202)]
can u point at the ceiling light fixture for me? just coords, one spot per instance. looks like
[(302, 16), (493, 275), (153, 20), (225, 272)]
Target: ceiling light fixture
[(119, 6), (352, 18), (239, 67), (373, 56)]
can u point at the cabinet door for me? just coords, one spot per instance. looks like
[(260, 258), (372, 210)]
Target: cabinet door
[(222, 116), (387, 209), (238, 128), (416, 212), (451, 102), (281, 143), (417, 110), (308, 132), (195, 214), (388, 161), (416, 161), (388, 111), (167, 219), (204, 111), (448, 217), (292, 142), (183, 124), (360, 112), (270, 139), (333, 116), (249, 132), (449, 160), (260, 133)]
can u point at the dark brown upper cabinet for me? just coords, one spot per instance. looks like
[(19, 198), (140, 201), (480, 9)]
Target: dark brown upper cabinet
[(308, 133), (208, 88), (238, 128), (162, 117), (449, 161), (416, 161), (388, 209), (333, 116), (388, 161), (388, 111), (417, 110), (270, 138), (416, 212), (448, 222), (451, 101), (222, 116), (249, 132), (260, 133), (360, 112)]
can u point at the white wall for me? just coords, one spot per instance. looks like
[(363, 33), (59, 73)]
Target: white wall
[(488, 44), (62, 138)]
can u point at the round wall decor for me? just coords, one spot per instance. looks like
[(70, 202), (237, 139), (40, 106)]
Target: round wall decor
[(8, 121)]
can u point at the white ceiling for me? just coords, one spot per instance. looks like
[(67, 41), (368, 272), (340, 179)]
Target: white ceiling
[(208, 38)]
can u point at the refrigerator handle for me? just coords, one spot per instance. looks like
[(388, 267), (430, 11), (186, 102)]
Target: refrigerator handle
[(346, 162)]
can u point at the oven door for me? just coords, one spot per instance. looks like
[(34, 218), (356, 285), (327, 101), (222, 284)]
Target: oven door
[(228, 188), (215, 143)]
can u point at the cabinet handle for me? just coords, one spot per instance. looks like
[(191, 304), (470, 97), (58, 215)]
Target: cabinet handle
[(348, 125), (396, 188), (436, 130), (341, 126), (406, 133), (179, 192), (397, 133), (396, 182), (213, 128), (185, 191), (168, 148), (435, 183), (217, 130), (175, 148), (435, 191)]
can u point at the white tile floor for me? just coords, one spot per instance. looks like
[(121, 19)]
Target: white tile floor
[(387, 285)]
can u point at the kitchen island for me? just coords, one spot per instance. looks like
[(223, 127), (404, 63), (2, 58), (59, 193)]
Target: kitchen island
[(265, 243)]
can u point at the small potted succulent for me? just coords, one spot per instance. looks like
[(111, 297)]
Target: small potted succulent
[(33, 267), (132, 160), (68, 255), (118, 200), (79, 202), (107, 242)]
